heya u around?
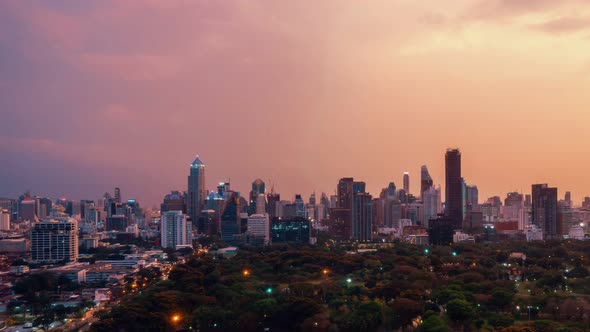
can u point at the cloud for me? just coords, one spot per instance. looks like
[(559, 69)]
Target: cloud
[(507, 9), (564, 25)]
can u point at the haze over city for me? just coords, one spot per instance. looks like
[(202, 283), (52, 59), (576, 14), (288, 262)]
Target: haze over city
[(118, 93)]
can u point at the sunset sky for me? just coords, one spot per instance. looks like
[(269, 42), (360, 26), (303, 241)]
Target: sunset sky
[(98, 94)]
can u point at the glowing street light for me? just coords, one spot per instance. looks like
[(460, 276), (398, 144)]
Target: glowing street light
[(246, 273), (176, 318), (325, 272), (349, 280), (269, 290)]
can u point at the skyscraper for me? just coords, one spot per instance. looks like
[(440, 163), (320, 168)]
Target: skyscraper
[(431, 202), (407, 182), (345, 192), (175, 230), (425, 180), (544, 210), (362, 218), (117, 195), (454, 188), (196, 188), (472, 198), (258, 188)]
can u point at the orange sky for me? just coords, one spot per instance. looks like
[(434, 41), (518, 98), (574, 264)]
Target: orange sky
[(98, 94)]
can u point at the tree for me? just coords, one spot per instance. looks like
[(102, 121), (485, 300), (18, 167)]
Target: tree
[(434, 323), (459, 310)]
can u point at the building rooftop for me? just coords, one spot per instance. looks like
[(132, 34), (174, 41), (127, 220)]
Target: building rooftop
[(197, 162)]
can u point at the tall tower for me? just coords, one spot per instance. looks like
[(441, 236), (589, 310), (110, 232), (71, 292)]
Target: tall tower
[(407, 182), (454, 188), (345, 192), (425, 180), (117, 195), (196, 189), (544, 210), (258, 188)]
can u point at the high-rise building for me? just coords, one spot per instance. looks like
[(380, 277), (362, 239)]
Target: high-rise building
[(176, 230), (117, 195), (259, 226), (514, 209), (362, 218), (272, 205), (196, 189), (258, 188), (27, 209), (117, 222), (432, 204), (4, 219), (586, 203), (260, 204), (345, 192), (425, 180), (454, 188), (54, 240), (544, 210), (230, 219), (175, 201), (407, 182), (471, 198), (300, 209)]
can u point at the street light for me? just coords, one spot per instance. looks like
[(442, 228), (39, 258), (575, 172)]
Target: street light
[(269, 290), (349, 280), (175, 318), (325, 272), (246, 273)]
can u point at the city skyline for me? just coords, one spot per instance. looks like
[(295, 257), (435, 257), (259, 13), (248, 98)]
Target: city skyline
[(259, 182), (90, 102)]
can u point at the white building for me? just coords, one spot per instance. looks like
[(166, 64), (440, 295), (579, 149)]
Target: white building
[(576, 232), (432, 205), (259, 226), (55, 240), (4, 220), (533, 233), (175, 229)]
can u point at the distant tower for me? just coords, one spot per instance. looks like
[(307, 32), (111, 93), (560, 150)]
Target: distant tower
[(454, 188), (425, 180), (258, 188), (407, 182), (117, 195), (544, 210), (196, 189)]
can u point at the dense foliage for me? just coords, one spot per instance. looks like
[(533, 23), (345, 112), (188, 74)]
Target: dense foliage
[(466, 287)]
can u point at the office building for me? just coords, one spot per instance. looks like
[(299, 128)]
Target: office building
[(230, 219), (175, 201), (544, 210), (362, 218), (431, 201), (259, 226), (54, 241), (176, 230), (117, 195), (196, 189), (296, 230), (258, 188), (117, 222), (454, 188), (27, 209), (471, 198), (407, 182), (425, 180)]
